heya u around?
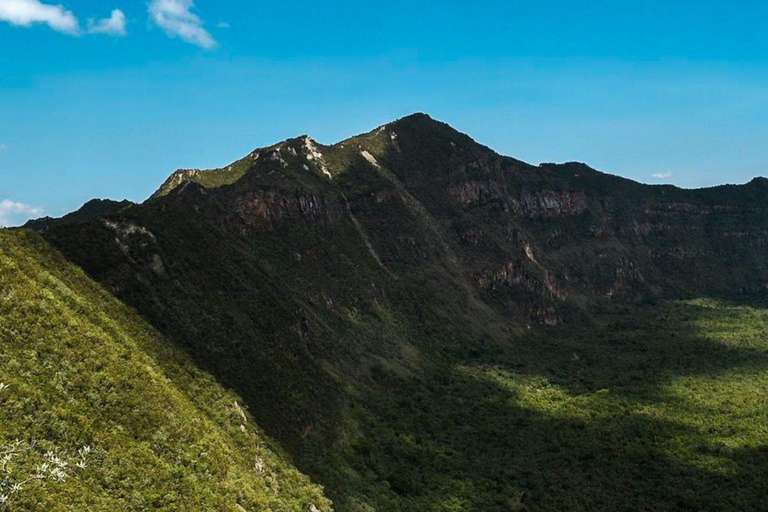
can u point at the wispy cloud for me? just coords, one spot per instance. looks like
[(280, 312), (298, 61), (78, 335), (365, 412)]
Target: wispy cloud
[(14, 214), (176, 18), (3, 147), (113, 26), (222, 24), (25, 13), (662, 175)]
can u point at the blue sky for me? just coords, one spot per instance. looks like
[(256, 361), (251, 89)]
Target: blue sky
[(106, 98)]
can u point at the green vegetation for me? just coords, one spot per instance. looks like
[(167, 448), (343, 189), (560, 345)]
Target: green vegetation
[(658, 408), (426, 325), (122, 419)]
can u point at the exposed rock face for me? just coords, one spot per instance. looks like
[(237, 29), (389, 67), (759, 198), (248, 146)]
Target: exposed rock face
[(180, 177), (471, 193), (262, 211), (128, 234), (549, 203), (545, 203)]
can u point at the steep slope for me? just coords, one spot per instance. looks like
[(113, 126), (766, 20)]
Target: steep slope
[(556, 230), (568, 230), (121, 418), (354, 294)]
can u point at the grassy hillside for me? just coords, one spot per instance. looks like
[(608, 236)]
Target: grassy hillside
[(121, 419)]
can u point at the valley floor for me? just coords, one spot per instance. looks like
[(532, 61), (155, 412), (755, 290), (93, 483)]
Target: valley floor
[(660, 407)]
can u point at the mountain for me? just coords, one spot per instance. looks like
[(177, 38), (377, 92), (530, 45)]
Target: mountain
[(567, 228), (91, 209), (122, 418), (424, 324)]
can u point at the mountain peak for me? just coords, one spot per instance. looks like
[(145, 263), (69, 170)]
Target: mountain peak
[(420, 121), (416, 116)]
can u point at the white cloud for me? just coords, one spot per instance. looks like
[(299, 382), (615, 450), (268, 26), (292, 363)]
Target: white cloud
[(14, 214), (114, 25), (662, 175), (176, 19), (25, 13), (222, 24)]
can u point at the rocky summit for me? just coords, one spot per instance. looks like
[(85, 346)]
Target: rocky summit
[(421, 323)]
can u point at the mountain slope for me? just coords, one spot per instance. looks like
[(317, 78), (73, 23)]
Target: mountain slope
[(562, 229), (91, 209), (355, 296), (80, 370)]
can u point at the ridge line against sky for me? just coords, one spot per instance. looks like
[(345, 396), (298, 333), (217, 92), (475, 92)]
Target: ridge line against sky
[(655, 91)]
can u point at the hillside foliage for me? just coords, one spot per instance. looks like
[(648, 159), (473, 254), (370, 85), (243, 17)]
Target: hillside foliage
[(99, 412)]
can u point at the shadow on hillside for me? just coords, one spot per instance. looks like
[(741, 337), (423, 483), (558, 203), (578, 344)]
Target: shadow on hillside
[(542, 429), (635, 350), (490, 456)]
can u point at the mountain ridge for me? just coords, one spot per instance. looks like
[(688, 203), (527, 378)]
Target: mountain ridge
[(180, 175)]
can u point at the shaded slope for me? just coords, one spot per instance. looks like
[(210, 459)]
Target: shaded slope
[(272, 286), (81, 369), (530, 236)]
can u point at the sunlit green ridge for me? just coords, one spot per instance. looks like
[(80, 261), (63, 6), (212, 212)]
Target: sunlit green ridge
[(80, 370)]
